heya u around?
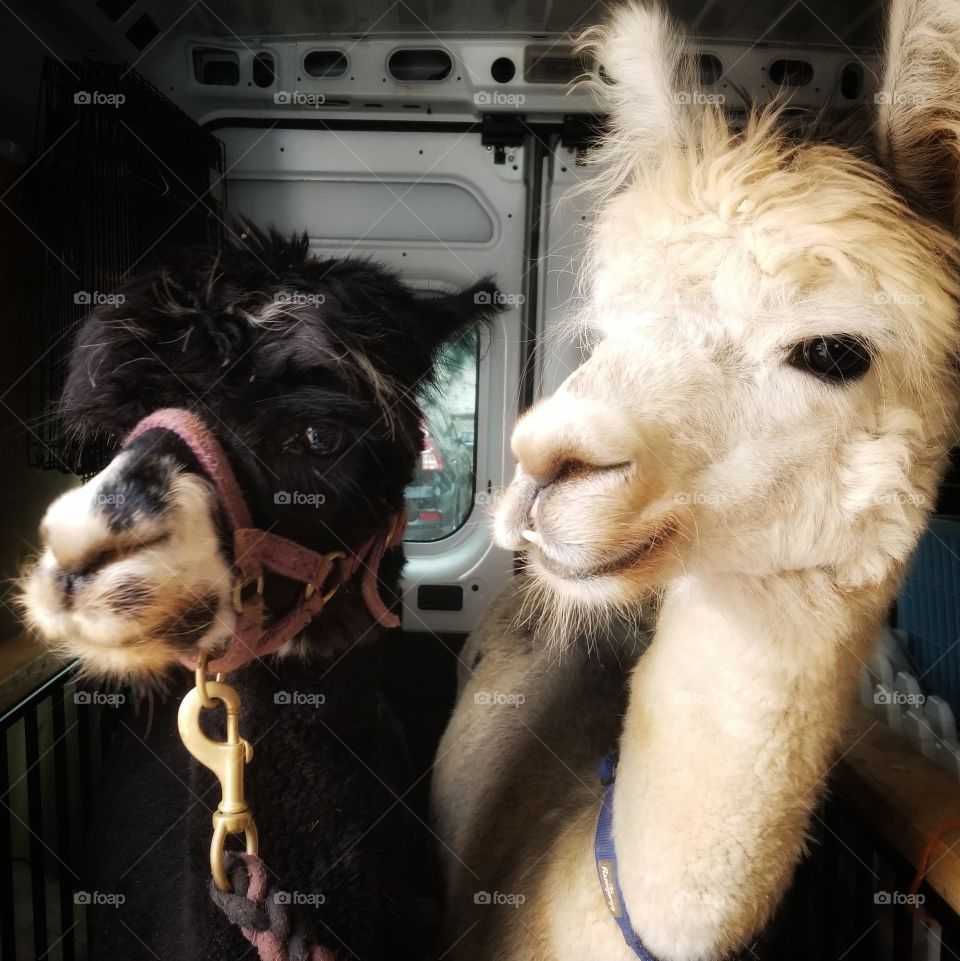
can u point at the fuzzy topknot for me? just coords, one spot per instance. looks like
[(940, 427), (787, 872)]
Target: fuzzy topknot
[(758, 223), (918, 114)]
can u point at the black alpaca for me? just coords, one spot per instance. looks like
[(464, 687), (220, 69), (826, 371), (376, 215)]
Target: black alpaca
[(307, 371)]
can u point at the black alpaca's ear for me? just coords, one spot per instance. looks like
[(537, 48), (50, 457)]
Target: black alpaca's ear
[(447, 317)]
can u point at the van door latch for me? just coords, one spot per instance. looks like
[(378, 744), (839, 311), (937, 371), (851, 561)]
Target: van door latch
[(500, 131)]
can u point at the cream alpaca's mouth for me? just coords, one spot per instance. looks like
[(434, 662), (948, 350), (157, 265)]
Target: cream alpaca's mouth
[(637, 556)]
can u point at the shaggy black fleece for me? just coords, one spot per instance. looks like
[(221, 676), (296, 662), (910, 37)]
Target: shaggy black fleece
[(308, 371)]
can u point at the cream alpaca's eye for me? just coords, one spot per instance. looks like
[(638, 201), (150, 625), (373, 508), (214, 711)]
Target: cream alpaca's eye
[(323, 440), (831, 358)]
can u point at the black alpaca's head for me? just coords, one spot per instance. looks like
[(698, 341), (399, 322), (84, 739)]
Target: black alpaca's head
[(306, 370)]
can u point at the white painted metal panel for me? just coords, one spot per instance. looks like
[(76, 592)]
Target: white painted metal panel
[(564, 228)]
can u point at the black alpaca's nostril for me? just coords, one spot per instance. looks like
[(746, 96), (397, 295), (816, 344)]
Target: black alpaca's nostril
[(69, 583)]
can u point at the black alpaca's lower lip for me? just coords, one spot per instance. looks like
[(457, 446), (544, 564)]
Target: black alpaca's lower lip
[(616, 565)]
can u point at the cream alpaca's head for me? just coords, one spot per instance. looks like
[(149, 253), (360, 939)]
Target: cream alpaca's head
[(772, 386)]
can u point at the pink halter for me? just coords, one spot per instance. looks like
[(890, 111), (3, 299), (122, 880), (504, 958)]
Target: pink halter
[(256, 552)]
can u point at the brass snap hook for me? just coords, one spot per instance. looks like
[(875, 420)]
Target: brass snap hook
[(200, 681), (227, 759)]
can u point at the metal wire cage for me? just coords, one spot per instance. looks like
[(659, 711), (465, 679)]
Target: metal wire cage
[(122, 175)]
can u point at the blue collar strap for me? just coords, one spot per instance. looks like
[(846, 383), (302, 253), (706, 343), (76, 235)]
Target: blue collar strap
[(606, 858)]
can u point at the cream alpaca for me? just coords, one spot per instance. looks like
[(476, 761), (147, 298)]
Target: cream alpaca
[(758, 435)]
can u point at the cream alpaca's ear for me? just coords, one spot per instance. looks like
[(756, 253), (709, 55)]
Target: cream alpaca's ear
[(647, 80), (918, 122)]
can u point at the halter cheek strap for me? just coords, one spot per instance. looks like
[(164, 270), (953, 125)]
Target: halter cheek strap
[(256, 552)]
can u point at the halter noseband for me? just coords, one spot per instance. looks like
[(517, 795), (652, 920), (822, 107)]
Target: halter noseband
[(256, 552)]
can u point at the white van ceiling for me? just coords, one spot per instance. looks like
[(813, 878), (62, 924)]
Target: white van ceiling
[(808, 22), (206, 55), (845, 22)]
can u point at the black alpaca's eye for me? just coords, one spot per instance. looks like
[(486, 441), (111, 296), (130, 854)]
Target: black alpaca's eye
[(831, 358), (323, 440)]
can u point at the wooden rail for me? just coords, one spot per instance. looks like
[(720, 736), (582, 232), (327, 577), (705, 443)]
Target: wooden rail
[(25, 664), (904, 796)]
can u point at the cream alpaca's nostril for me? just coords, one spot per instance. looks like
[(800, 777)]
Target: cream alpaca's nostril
[(568, 470), (565, 435)]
